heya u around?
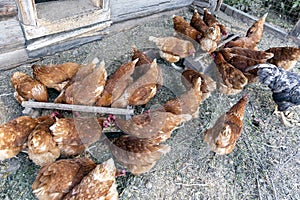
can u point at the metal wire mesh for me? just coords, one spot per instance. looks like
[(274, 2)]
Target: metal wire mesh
[(284, 13)]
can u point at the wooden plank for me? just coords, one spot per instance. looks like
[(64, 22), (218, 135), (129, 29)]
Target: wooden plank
[(122, 10), (8, 8), (46, 27), (11, 35), (27, 12), (50, 40), (78, 108), (13, 58)]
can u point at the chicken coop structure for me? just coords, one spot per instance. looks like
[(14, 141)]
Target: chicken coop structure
[(31, 29)]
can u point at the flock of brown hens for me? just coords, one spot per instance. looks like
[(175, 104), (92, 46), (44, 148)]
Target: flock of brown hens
[(139, 145)]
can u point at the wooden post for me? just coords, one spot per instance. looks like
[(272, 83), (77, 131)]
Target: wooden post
[(27, 12), (296, 30)]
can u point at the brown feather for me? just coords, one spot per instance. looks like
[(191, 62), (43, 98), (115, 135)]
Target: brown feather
[(42, 149), (74, 135), (139, 155), (57, 179), (182, 26), (285, 57), (223, 135), (14, 134), (55, 76), (117, 83), (28, 88), (100, 183)]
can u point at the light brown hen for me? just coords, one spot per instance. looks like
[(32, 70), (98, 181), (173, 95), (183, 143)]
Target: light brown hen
[(55, 76), (253, 36), (57, 179), (100, 183), (14, 134), (27, 88), (74, 135), (42, 149), (117, 83), (182, 26), (285, 57), (140, 91), (222, 137), (155, 124), (138, 155)]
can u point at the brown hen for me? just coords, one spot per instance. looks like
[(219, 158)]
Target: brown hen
[(188, 102), (100, 183), (57, 179), (189, 79), (198, 23), (66, 94), (74, 135), (173, 49), (117, 83), (87, 90), (27, 88), (182, 26), (241, 60), (285, 57), (140, 91), (210, 20), (138, 155), (143, 65), (231, 80), (55, 76), (155, 124), (253, 36), (42, 149), (14, 134), (222, 137)]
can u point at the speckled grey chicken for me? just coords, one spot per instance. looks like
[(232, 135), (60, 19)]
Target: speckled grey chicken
[(285, 87)]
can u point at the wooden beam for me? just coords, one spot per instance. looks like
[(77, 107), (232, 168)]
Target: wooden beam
[(296, 30), (27, 12), (78, 108)]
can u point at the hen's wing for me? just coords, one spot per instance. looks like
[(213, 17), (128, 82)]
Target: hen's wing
[(100, 183), (140, 91), (74, 135), (27, 88), (55, 76), (57, 179), (14, 134), (155, 124), (117, 83), (223, 135), (139, 155)]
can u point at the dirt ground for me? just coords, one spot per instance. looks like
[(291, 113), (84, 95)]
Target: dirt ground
[(265, 163)]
